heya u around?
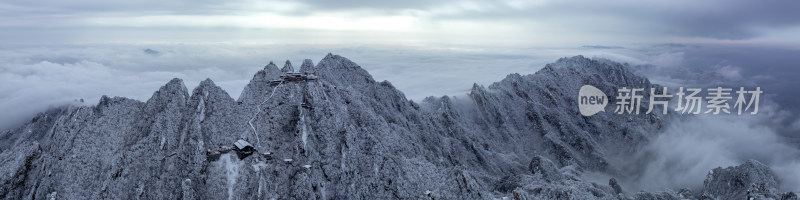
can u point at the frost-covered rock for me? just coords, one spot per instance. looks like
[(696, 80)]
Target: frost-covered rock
[(751, 180), (544, 167), (287, 67), (307, 66), (615, 186), (341, 136)]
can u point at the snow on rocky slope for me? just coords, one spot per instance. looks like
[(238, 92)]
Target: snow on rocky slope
[(330, 131)]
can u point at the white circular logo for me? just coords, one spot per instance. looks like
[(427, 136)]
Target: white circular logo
[(591, 100)]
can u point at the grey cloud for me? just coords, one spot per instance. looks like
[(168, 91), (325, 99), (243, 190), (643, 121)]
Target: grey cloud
[(716, 19), (37, 8), (709, 19), (602, 47), (84, 7), (378, 5)]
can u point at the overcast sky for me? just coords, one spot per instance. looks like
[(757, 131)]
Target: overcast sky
[(483, 22)]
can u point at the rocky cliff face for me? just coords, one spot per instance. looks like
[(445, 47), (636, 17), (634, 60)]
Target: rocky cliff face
[(333, 132)]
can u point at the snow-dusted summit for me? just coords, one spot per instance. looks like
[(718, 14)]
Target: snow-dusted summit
[(330, 131)]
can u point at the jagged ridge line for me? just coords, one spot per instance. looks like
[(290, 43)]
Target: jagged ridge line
[(258, 141)]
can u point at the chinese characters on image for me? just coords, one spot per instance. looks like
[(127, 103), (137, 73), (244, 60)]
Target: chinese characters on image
[(689, 100)]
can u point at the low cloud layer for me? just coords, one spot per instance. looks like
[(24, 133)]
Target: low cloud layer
[(732, 66), (691, 146), (39, 76), (33, 78), (684, 154), (42, 76)]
